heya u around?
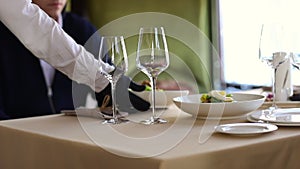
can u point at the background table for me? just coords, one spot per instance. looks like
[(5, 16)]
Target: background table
[(59, 141)]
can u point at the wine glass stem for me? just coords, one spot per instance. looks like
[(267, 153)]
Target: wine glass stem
[(274, 106), (153, 85), (113, 95)]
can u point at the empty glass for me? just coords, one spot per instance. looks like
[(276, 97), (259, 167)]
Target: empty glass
[(113, 49), (152, 58), (273, 50)]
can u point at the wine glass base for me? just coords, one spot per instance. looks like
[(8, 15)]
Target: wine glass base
[(154, 121), (115, 121)]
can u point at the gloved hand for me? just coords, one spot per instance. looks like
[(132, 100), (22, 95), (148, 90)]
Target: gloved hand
[(126, 100)]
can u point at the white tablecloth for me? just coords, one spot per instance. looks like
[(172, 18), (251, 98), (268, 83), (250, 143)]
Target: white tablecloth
[(59, 141)]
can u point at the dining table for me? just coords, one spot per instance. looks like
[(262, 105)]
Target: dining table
[(64, 141)]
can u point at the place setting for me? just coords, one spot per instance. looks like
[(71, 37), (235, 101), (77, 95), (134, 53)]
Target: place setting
[(273, 38), (277, 53), (152, 58), (217, 107)]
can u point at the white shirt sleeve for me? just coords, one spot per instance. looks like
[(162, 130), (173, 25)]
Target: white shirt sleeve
[(46, 40)]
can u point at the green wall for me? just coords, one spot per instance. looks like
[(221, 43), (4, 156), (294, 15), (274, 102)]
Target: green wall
[(195, 12)]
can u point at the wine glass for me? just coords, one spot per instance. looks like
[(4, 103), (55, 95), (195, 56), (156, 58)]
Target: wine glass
[(273, 51), (113, 50), (152, 58)]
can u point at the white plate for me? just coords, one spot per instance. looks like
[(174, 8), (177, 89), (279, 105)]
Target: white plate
[(243, 104), (290, 116), (246, 128), (163, 98), (250, 119)]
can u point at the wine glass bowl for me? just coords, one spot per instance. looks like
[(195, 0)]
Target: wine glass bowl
[(112, 50), (152, 67), (152, 59), (272, 44)]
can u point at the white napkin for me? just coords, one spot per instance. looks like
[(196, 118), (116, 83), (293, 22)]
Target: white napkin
[(283, 80)]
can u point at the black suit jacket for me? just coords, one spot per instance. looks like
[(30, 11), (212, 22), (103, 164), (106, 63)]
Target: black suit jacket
[(23, 91)]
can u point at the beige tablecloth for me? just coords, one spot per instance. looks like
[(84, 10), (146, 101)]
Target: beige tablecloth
[(69, 142)]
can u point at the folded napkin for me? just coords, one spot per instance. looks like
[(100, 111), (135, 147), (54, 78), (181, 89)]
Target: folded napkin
[(283, 82)]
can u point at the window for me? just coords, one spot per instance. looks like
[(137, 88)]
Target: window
[(240, 24)]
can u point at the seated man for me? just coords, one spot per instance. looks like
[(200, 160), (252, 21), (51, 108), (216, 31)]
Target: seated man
[(31, 87)]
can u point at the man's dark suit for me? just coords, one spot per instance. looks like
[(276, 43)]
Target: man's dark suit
[(23, 90)]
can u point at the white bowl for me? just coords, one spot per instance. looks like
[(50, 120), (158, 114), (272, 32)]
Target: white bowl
[(163, 98), (243, 104)]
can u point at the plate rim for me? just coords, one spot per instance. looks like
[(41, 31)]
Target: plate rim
[(269, 127)]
